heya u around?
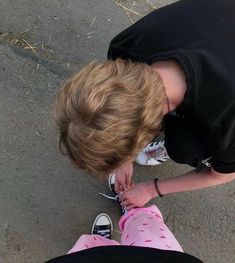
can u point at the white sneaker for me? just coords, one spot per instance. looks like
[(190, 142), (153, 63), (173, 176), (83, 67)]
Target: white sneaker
[(153, 154)]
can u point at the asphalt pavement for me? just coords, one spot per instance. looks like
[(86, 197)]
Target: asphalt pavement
[(45, 203)]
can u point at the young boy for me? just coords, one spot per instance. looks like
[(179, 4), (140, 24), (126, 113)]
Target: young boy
[(174, 66)]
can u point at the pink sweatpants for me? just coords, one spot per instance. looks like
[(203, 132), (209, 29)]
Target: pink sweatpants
[(142, 227)]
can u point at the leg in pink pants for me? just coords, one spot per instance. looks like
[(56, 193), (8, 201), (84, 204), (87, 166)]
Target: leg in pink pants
[(142, 227)]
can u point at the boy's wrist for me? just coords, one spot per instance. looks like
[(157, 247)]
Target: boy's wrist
[(156, 184), (151, 189)]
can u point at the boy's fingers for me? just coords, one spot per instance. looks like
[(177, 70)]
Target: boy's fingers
[(118, 187), (128, 182), (124, 203), (129, 207)]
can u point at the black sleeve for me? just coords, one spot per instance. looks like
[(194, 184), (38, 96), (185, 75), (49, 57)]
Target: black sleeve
[(164, 29), (224, 161)]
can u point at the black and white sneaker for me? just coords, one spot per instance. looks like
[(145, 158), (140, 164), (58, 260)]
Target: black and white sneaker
[(102, 226), (113, 196), (111, 183), (153, 154)]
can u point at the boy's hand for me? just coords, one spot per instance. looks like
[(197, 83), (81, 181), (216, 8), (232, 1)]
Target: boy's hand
[(123, 177), (138, 195)]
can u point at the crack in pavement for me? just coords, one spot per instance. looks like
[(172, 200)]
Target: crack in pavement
[(51, 66)]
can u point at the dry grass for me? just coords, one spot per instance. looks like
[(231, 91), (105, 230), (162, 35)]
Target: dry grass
[(130, 10), (18, 40), (21, 40)]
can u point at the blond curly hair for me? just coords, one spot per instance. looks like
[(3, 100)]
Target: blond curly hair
[(108, 112)]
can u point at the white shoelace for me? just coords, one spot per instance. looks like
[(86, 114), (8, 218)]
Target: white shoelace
[(115, 198)]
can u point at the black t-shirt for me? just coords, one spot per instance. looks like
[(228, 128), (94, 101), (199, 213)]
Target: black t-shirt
[(200, 35), (125, 254)]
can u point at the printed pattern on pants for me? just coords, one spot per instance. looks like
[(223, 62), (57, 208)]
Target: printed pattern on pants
[(142, 227)]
